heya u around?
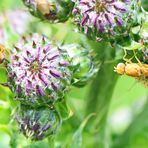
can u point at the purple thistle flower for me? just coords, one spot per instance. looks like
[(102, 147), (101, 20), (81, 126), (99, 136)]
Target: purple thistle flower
[(103, 18), (39, 68)]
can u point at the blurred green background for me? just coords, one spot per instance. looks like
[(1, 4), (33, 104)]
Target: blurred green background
[(127, 122)]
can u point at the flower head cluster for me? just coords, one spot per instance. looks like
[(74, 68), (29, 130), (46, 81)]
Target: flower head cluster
[(38, 124), (53, 10), (40, 73), (39, 70), (104, 18)]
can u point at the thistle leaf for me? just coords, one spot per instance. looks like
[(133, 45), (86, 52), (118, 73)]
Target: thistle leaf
[(77, 137)]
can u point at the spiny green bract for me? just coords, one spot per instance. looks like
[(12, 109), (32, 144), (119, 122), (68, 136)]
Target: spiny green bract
[(83, 63)]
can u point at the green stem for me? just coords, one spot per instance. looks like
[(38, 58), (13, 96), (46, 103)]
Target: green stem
[(100, 95)]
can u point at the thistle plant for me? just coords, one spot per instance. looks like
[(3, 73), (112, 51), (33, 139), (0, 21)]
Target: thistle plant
[(102, 19), (51, 10), (41, 70), (37, 124), (40, 73)]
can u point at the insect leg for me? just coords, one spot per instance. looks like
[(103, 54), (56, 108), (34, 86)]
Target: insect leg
[(125, 59), (135, 55)]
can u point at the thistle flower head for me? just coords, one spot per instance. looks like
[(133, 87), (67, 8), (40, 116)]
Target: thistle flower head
[(38, 124), (104, 18), (52, 10), (39, 70)]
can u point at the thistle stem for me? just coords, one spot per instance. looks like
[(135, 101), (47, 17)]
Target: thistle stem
[(99, 97)]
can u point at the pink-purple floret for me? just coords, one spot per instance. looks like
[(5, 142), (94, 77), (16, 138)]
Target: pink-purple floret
[(101, 14)]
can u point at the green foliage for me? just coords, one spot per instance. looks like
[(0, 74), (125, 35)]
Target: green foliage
[(64, 110), (77, 137), (110, 112), (3, 78), (136, 134)]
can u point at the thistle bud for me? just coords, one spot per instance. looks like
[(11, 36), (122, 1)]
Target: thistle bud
[(39, 71), (105, 19), (52, 10), (82, 63), (39, 123)]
